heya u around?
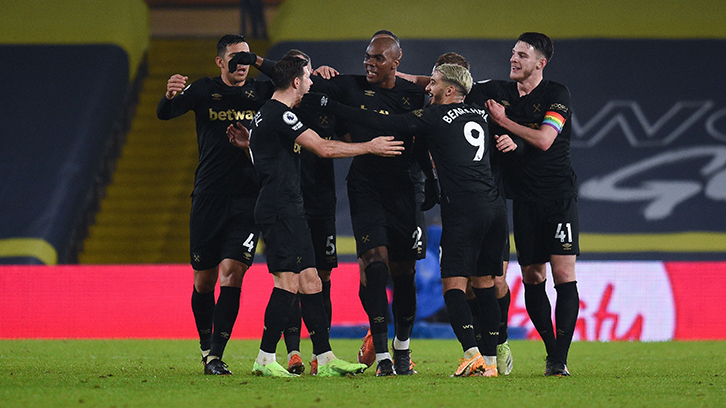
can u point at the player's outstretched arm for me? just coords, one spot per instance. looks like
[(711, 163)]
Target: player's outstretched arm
[(331, 149), (326, 72), (322, 102), (419, 80)]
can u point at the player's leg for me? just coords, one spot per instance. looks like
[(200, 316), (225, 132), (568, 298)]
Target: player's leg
[(322, 231), (566, 310), (237, 242), (315, 317), (489, 267), (563, 224), (203, 304), (206, 233), (291, 335), (367, 352), (368, 217), (454, 289), (375, 264), (404, 313), (532, 252), (277, 313), (505, 361), (538, 304), (284, 253), (231, 273), (406, 245), (483, 288)]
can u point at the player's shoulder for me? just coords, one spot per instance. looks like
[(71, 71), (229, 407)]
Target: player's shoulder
[(403, 85), (256, 83), (346, 80), (556, 95), (201, 85), (280, 114), (555, 87)]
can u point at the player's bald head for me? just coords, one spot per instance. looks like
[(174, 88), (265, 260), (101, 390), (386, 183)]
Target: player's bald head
[(384, 45)]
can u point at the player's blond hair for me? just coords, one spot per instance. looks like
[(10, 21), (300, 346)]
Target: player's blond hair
[(456, 75)]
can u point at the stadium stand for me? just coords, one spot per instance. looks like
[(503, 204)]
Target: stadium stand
[(68, 76)]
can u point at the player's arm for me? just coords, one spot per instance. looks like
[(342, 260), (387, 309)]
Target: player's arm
[(326, 72), (420, 80), (425, 163), (239, 136), (396, 123), (541, 138), (174, 103), (248, 58), (384, 146), (506, 143)]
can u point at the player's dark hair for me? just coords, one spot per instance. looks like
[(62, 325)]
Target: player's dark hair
[(539, 42), (286, 70), (388, 33), (452, 58), (227, 40), (297, 53)]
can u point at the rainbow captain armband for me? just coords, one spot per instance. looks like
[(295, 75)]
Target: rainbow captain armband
[(555, 120)]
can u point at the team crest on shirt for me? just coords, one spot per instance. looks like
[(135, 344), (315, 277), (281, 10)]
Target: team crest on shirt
[(323, 121), (370, 92), (289, 118), (216, 97), (504, 103), (250, 93), (406, 101)]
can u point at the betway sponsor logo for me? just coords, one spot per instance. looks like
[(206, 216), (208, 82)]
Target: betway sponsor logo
[(618, 301), (627, 119), (231, 114)]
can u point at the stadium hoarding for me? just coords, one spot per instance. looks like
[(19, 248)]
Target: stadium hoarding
[(619, 301)]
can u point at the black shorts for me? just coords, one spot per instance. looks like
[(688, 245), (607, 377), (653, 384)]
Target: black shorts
[(288, 245), (322, 231), (548, 228), (385, 217), (222, 227), (472, 238)]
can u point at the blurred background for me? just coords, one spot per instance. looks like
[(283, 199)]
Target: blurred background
[(90, 177)]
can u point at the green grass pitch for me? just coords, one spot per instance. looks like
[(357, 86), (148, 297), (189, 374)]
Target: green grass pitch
[(163, 373)]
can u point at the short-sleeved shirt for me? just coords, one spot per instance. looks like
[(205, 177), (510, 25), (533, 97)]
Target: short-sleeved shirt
[(533, 174), (222, 168), (276, 158)]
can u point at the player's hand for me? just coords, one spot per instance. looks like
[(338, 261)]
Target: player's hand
[(505, 144), (174, 85), (386, 146), (242, 58), (238, 135), (325, 71), (317, 101), (431, 194), (496, 111)]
